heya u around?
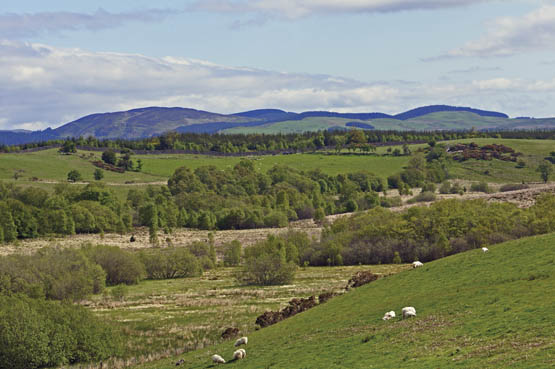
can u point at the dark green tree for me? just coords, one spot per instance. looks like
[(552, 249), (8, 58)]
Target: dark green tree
[(74, 176), (545, 169), (98, 174), (109, 157)]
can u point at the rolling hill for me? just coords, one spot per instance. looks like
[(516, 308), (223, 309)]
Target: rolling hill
[(153, 121), (474, 310)]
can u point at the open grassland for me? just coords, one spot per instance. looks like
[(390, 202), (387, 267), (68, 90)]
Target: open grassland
[(165, 165), (474, 310), (498, 171), (297, 126), (168, 316), (50, 167)]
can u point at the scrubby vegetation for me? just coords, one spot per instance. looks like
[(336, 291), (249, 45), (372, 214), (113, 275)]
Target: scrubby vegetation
[(447, 227), (36, 333)]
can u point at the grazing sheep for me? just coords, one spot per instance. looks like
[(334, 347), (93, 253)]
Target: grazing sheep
[(218, 359), (485, 249), (241, 341), (408, 312), (239, 354), (389, 315), (417, 264)]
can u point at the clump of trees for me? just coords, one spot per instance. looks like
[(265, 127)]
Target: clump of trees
[(243, 197), (29, 212), (427, 233), (37, 333)]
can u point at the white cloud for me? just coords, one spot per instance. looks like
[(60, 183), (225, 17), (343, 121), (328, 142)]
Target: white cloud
[(293, 9), (514, 35), (46, 86), (496, 84), (17, 26)]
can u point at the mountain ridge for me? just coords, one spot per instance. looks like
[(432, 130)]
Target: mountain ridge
[(153, 121)]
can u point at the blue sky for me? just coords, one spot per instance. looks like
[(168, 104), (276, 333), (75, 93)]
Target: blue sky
[(60, 60)]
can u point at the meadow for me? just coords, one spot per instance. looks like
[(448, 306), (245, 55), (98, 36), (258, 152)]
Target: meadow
[(168, 317), (50, 166), (474, 310)]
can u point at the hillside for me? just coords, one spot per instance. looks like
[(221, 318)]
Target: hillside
[(474, 310), (137, 123), (153, 121)]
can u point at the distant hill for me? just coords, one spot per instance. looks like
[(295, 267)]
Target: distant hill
[(153, 121)]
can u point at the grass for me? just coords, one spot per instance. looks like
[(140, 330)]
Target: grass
[(49, 165), (165, 165), (474, 310), (296, 126), (534, 151), (167, 315)]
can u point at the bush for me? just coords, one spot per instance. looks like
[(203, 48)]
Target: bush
[(74, 176), (423, 197), (232, 253), (35, 333), (390, 202), (266, 264), (480, 187), (121, 266), (173, 263), (513, 187), (445, 188), (55, 274), (429, 187)]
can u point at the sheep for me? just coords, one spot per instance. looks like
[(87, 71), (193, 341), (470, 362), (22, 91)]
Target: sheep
[(241, 341), (408, 312), (389, 315), (485, 249), (218, 359), (417, 264), (239, 354)]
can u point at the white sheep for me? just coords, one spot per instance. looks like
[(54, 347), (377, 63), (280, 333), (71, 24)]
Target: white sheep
[(241, 341), (218, 359), (389, 315), (417, 264), (485, 249), (408, 312), (239, 354)]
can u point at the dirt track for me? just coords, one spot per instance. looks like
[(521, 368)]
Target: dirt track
[(181, 237)]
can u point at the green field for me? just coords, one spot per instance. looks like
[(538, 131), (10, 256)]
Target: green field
[(534, 151), (474, 310), (49, 165), (434, 121), (296, 126), (165, 165), (167, 315)]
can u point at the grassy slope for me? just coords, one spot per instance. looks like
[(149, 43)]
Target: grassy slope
[(178, 313), (165, 165), (296, 126), (502, 171), (475, 310), (49, 165), (432, 121)]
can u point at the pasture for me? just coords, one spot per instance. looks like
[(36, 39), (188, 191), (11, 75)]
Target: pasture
[(474, 310), (166, 317)]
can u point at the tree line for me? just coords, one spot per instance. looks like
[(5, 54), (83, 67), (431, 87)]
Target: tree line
[(354, 139)]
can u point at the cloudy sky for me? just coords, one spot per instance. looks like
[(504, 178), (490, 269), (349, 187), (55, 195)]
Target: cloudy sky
[(60, 60)]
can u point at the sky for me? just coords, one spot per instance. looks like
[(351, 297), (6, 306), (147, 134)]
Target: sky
[(61, 60)]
